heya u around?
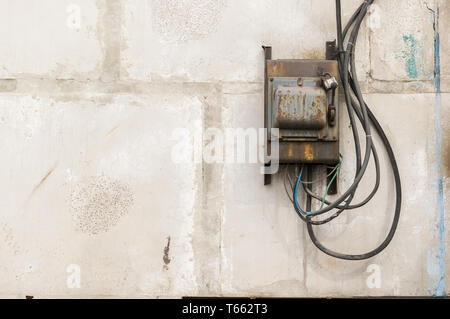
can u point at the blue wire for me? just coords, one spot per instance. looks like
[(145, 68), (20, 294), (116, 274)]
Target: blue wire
[(298, 183), (295, 194)]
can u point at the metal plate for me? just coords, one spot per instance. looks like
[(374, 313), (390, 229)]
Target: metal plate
[(300, 108), (306, 135), (312, 152), (301, 68)]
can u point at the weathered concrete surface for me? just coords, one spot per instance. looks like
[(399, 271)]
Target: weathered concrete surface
[(42, 39), (402, 46), (360, 231), (79, 188), (219, 40), (405, 36), (445, 113), (90, 119), (265, 248)]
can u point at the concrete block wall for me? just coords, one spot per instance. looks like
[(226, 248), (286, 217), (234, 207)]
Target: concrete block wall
[(91, 93)]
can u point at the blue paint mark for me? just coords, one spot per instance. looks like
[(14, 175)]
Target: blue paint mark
[(437, 57), (436, 259), (411, 65)]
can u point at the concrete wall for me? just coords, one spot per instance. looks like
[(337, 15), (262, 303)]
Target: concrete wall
[(92, 93)]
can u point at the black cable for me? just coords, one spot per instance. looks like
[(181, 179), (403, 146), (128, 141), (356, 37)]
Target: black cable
[(357, 105), (355, 133), (360, 166)]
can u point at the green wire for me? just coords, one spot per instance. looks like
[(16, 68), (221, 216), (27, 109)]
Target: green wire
[(331, 182)]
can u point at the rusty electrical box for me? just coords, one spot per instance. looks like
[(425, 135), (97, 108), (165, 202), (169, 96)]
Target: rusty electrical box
[(301, 101)]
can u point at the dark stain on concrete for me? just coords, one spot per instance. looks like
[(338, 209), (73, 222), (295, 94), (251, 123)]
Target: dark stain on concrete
[(8, 85), (166, 257)]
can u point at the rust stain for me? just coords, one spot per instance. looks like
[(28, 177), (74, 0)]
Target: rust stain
[(276, 67), (290, 151), (112, 130), (309, 152), (301, 107), (44, 179), (314, 54), (50, 172)]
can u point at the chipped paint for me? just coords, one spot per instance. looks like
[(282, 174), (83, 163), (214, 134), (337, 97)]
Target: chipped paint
[(411, 55), (309, 152)]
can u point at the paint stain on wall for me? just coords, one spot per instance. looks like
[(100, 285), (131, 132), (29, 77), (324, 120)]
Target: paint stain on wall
[(412, 55), (184, 20), (98, 204)]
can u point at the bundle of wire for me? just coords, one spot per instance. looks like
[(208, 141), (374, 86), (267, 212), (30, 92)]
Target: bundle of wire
[(355, 106)]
